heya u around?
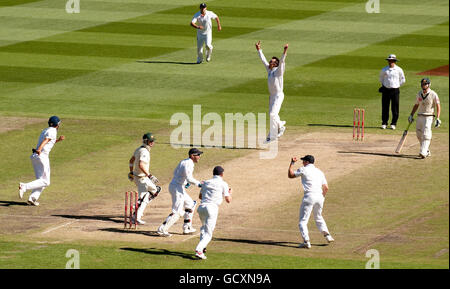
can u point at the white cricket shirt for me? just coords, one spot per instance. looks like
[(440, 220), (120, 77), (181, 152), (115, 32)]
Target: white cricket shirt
[(427, 102), (183, 173), (205, 21), (50, 133), (312, 179), (214, 190), (141, 154), (274, 75), (392, 77)]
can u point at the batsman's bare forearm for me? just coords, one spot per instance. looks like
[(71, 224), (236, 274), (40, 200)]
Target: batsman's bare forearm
[(438, 110), (414, 109)]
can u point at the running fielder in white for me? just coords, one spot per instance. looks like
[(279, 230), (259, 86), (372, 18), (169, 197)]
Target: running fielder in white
[(427, 101), (140, 173), (212, 193), (182, 203), (41, 162), (275, 71), (315, 187), (202, 22)]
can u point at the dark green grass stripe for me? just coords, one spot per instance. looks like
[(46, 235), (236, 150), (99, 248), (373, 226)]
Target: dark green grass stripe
[(86, 49), (270, 12), (371, 62), (38, 75), (414, 40), (163, 29), (16, 2)]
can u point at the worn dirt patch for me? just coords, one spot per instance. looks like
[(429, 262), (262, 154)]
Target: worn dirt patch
[(8, 123), (439, 71)]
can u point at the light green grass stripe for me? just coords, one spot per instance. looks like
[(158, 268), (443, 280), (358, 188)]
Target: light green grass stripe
[(20, 35), (359, 27)]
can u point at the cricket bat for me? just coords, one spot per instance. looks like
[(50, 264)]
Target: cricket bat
[(403, 139)]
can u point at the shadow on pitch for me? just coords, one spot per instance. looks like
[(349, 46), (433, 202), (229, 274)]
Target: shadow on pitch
[(265, 242), (131, 231), (394, 155), (12, 203), (155, 251), (336, 125), (167, 62), (210, 146), (107, 218)]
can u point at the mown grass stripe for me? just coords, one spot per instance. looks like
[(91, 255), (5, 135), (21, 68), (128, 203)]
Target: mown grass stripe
[(86, 49), (162, 29), (16, 2)]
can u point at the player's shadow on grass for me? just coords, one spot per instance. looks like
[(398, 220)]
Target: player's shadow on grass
[(155, 251), (108, 218), (394, 155), (167, 62), (12, 203), (264, 242)]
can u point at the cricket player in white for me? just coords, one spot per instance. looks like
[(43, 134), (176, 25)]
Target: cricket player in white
[(182, 203), (41, 162), (315, 187), (275, 71), (212, 193), (202, 22), (426, 102), (140, 173)]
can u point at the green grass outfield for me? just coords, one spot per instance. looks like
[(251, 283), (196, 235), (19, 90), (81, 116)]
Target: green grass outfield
[(123, 67)]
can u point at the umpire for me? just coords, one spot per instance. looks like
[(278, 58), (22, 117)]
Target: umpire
[(391, 78)]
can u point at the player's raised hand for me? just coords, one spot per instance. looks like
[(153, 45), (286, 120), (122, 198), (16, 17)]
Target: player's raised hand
[(258, 45), (286, 46), (294, 159)]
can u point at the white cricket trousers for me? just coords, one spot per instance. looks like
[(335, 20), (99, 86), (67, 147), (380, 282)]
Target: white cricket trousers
[(275, 102), (41, 166), (208, 214), (144, 185), (182, 203), (423, 132), (312, 202), (204, 39)]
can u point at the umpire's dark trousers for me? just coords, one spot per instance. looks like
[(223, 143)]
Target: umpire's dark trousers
[(390, 96)]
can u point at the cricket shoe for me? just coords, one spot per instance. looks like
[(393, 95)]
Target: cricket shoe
[(188, 231), (163, 233), (383, 126), (141, 222), (208, 59), (200, 255), (33, 202), (306, 245), (392, 127), (22, 190), (329, 238)]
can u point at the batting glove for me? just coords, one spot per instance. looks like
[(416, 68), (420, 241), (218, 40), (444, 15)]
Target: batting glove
[(437, 123), (130, 176), (410, 119), (153, 179)]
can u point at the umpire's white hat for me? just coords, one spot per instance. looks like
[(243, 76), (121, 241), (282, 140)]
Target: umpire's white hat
[(392, 57)]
